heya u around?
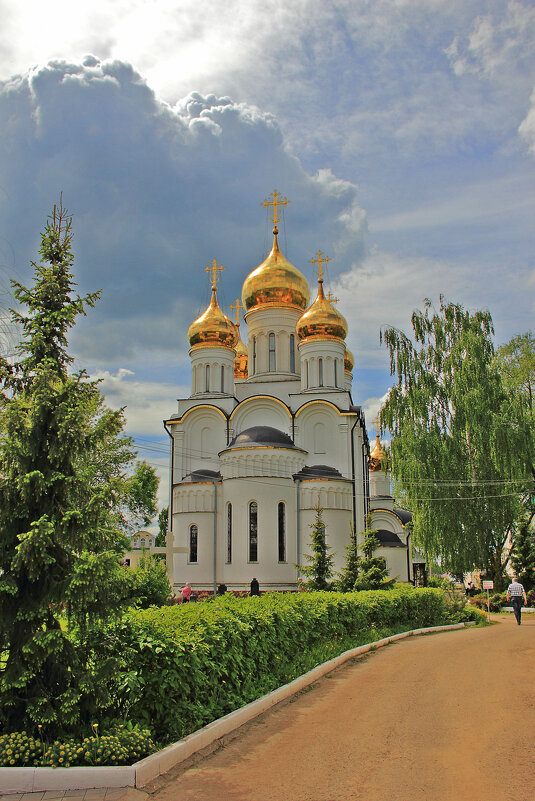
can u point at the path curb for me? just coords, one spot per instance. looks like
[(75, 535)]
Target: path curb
[(27, 780)]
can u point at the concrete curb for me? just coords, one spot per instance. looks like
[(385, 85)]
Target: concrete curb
[(27, 780)]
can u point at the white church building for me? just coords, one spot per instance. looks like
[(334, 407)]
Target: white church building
[(268, 432)]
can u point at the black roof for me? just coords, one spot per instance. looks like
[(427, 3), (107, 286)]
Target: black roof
[(197, 476), (259, 436), (403, 515), (388, 538), (318, 471)]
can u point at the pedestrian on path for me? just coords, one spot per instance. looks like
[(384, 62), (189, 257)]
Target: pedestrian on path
[(515, 591)]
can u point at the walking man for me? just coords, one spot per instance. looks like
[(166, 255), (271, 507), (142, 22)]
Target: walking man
[(515, 591)]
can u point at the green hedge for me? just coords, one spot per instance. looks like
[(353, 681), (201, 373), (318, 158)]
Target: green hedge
[(181, 667)]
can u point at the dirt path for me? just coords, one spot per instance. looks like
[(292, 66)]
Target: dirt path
[(435, 718)]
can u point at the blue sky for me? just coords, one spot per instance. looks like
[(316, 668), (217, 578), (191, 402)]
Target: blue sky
[(403, 132)]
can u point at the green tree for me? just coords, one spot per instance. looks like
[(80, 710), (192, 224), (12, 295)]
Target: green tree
[(151, 583), (320, 570), (349, 574), (457, 449), (63, 462), (516, 362), (162, 527), (523, 556), (372, 570), (140, 490)]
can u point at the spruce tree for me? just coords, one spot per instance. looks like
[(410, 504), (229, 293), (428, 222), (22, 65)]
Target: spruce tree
[(319, 572), (349, 574), (63, 463), (372, 570)]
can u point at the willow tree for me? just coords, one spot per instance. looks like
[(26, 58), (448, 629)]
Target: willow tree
[(63, 469), (458, 454)]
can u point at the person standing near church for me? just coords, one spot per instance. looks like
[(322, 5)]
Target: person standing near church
[(255, 587), (186, 593), (515, 592)]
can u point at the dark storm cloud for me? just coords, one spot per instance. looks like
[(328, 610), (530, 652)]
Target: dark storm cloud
[(156, 193)]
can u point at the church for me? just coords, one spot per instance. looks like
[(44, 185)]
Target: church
[(268, 433)]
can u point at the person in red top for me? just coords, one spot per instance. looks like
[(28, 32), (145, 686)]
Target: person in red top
[(186, 593)]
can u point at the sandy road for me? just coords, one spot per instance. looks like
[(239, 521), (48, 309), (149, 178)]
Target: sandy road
[(444, 717)]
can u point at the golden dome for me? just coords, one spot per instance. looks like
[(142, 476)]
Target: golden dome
[(349, 361), (213, 327), (321, 320), (275, 282), (376, 456), (241, 362)]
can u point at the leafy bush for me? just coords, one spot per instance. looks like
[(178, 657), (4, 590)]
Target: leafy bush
[(120, 747), (151, 583), (496, 601), (181, 667)]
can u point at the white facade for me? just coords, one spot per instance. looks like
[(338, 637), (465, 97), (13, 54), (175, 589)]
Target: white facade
[(251, 457)]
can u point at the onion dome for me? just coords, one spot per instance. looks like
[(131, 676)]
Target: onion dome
[(321, 320), (213, 327), (376, 456), (275, 282), (349, 361), (241, 362)]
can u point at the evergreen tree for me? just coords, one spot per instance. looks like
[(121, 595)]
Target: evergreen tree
[(372, 570), (458, 445), (523, 556), (63, 463), (151, 583), (349, 574), (320, 570)]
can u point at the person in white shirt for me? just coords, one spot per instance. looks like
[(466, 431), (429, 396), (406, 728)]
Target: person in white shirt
[(515, 593)]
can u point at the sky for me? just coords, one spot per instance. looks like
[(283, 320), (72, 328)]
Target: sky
[(402, 132)]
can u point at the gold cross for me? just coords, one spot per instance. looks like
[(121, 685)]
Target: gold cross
[(331, 298), (319, 261), (276, 202), (376, 423), (236, 307), (214, 268)]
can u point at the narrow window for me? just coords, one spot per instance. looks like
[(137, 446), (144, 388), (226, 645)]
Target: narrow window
[(229, 533), (335, 373), (271, 353), (207, 378), (254, 355), (282, 532), (292, 353), (193, 541), (307, 375), (222, 378), (142, 542), (320, 372), (253, 531)]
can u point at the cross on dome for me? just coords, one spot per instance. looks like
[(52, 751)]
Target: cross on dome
[(320, 261), (331, 298), (236, 307), (214, 268), (277, 201)]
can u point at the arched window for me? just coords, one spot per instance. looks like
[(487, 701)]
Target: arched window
[(205, 443), (292, 353), (222, 378), (193, 542), (229, 533), (307, 375), (253, 531), (207, 378), (335, 372), (142, 542), (320, 372), (271, 353), (254, 355), (282, 532)]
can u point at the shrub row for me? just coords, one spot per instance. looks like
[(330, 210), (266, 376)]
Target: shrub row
[(181, 667)]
